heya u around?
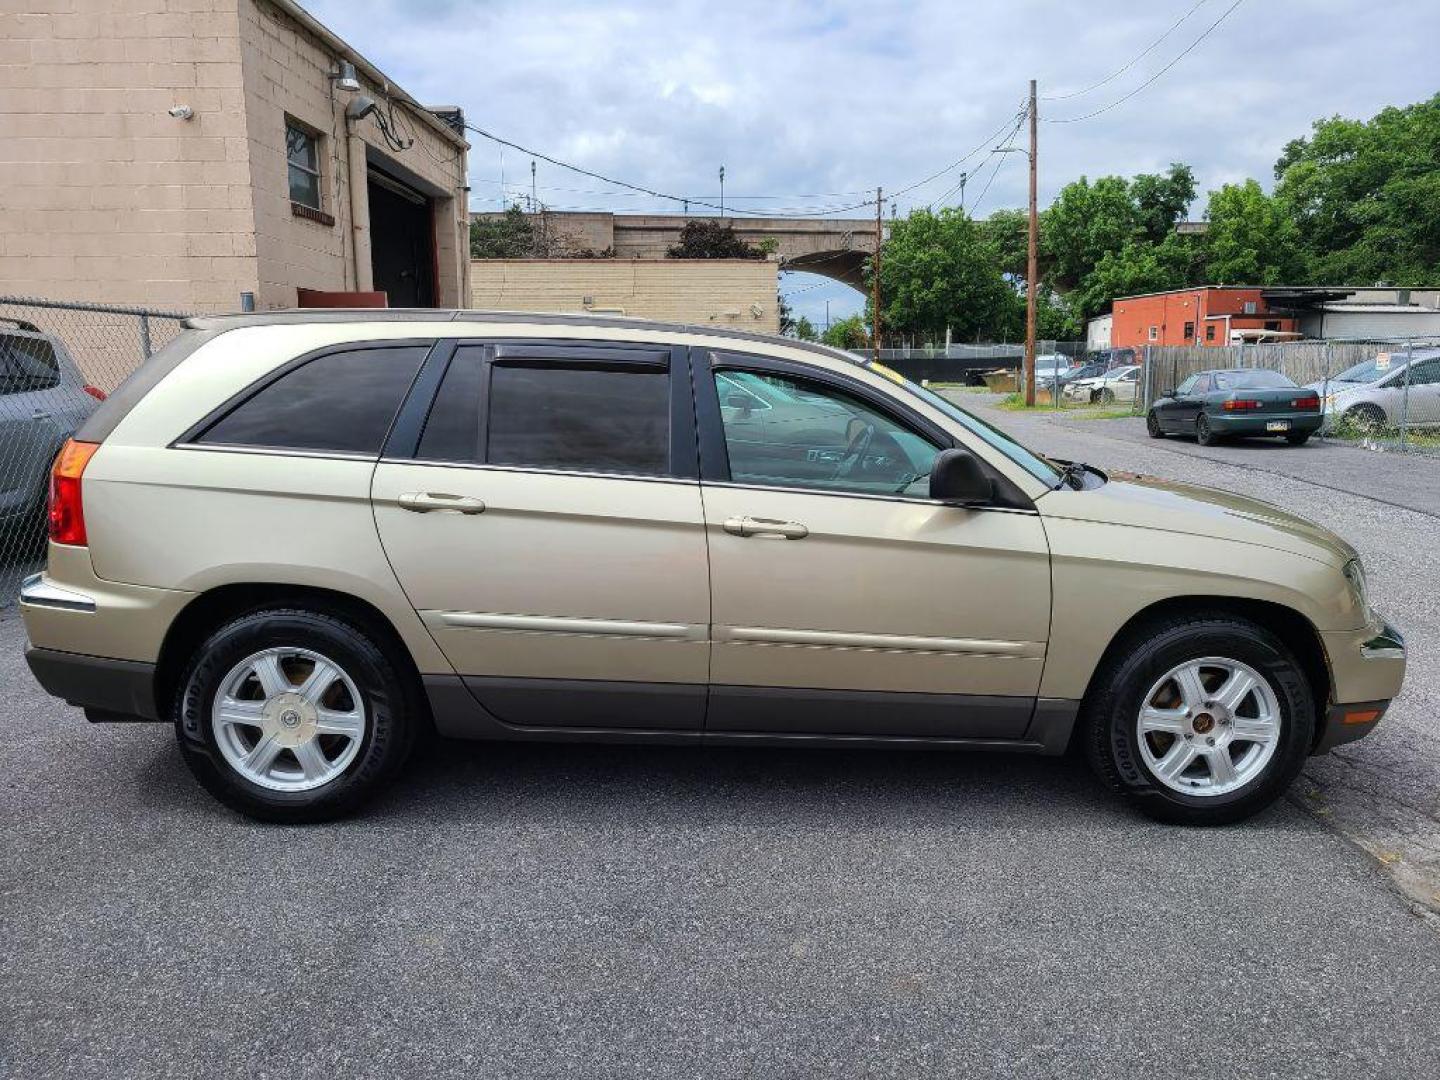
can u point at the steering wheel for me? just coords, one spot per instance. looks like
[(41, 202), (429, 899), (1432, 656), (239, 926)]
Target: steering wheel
[(855, 451)]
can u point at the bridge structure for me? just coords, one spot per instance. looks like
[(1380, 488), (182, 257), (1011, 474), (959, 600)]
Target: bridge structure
[(833, 247)]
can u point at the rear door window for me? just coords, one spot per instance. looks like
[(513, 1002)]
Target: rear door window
[(341, 402), (27, 364)]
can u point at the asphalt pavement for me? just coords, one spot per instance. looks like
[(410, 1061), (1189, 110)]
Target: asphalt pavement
[(537, 911)]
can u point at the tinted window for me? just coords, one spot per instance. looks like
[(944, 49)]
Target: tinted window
[(593, 417), (1186, 386), (1426, 373), (821, 437), (342, 401), (452, 430), (27, 364)]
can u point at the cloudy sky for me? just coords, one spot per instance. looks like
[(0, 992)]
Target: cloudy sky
[(808, 105)]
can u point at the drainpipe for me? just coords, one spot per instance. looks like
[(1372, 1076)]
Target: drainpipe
[(359, 208)]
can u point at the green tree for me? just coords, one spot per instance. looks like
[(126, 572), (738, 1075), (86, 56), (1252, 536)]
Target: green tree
[(847, 334), (1008, 232), (1365, 196), (508, 236), (1139, 267), (705, 239), (1085, 223), (940, 270), (804, 329), (1161, 201), (1252, 239)]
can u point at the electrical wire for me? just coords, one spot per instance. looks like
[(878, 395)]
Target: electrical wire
[(961, 161), (1002, 155), (1120, 101), (1133, 61)]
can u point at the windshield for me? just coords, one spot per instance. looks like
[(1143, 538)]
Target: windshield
[(1251, 380), (1039, 467), (1367, 371)]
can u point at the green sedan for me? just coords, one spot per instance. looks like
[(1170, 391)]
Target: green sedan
[(1215, 405)]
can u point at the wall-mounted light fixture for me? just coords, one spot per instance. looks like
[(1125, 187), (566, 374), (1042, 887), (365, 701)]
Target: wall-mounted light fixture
[(344, 76), (182, 112), (359, 108)]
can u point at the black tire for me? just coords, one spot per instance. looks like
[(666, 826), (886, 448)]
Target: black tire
[(390, 701), (1204, 435), (1298, 438), (1107, 397), (1152, 426), (1112, 709)]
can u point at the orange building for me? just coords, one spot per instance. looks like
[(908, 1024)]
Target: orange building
[(1205, 315)]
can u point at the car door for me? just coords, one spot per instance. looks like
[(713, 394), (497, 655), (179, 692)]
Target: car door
[(543, 516), (1420, 405), (1167, 408), (29, 433), (1186, 409), (843, 600)]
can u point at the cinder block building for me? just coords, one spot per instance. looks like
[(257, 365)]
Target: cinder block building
[(210, 155)]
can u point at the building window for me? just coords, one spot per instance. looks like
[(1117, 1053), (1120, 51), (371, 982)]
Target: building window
[(1154, 333), (302, 151), (1210, 331), (1189, 331), (1272, 324), (1249, 307)]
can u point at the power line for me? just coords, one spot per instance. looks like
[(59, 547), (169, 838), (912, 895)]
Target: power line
[(1000, 160), (1133, 60), (957, 163), (1120, 101)]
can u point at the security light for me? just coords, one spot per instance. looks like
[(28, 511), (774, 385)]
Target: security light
[(344, 76)]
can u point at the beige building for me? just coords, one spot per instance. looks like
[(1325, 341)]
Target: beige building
[(717, 292), (206, 155)]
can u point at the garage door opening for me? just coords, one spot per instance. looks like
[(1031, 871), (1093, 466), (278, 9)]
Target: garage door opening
[(402, 242)]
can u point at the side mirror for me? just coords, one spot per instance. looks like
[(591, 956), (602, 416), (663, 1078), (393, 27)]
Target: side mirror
[(740, 402), (957, 477)]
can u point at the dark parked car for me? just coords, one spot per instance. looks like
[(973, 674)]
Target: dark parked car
[(1213, 405)]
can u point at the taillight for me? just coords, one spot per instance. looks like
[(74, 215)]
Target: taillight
[(94, 391), (67, 510), (1241, 404), (1306, 402)]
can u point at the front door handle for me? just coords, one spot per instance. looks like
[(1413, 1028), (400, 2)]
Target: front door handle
[(753, 526), (423, 502)]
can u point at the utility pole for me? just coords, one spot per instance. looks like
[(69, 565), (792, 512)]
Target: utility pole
[(534, 198), (963, 177), (827, 316), (722, 191), (1031, 261), (875, 275)]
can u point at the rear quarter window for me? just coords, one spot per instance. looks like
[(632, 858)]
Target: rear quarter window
[(342, 401), (27, 364)]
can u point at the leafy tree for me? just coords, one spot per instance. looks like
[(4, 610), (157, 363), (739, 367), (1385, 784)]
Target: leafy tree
[(804, 329), (785, 315), (847, 334), (1252, 239), (1365, 196), (510, 236), (941, 270), (705, 239), (1161, 201), (1008, 232), (1086, 222), (1139, 267)]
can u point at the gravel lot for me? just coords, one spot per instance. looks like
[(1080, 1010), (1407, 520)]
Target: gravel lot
[(539, 911)]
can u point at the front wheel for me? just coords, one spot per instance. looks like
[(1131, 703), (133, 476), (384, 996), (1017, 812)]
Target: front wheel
[(1201, 720), (293, 716), (1152, 425), (1107, 397)]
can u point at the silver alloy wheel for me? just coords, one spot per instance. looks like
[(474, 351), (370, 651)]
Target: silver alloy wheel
[(1209, 726), (288, 719)]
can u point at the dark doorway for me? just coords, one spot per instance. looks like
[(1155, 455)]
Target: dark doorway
[(402, 243)]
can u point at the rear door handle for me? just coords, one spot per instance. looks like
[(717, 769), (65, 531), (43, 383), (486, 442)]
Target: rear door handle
[(753, 526), (423, 502)]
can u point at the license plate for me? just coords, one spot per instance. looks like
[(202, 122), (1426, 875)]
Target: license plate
[(1277, 425)]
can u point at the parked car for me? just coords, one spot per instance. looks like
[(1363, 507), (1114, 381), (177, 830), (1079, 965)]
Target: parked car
[(301, 538), (1238, 402), (43, 400), (1076, 372), (1372, 395), (1117, 384)]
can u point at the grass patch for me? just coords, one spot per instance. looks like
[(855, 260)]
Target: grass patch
[(1114, 411)]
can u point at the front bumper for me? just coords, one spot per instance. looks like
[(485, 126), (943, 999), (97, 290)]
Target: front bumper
[(1367, 669)]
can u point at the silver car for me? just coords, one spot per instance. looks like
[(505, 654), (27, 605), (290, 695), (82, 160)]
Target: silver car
[(1373, 395), (43, 400)]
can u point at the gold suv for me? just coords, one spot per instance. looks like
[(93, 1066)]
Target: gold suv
[(306, 538)]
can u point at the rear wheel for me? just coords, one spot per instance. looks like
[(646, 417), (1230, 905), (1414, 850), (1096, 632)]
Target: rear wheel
[(1366, 419), (1200, 720), (1204, 435), (1107, 397), (293, 716), (1152, 425)]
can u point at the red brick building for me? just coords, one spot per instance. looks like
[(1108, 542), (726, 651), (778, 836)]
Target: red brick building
[(1205, 315)]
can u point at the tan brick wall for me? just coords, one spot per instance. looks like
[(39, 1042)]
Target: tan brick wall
[(285, 69), (103, 195), (707, 292)]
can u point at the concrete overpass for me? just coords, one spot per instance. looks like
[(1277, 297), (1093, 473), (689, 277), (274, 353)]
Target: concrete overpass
[(833, 247)]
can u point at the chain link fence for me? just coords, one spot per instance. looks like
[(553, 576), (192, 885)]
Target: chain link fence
[(58, 361), (1383, 394)]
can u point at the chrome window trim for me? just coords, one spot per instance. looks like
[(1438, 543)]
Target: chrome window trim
[(540, 470), (35, 591), (274, 451), (909, 501)]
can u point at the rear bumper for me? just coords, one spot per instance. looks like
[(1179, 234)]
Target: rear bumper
[(106, 689), (1255, 425)]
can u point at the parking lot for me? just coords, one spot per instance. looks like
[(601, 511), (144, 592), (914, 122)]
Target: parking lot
[(602, 911)]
